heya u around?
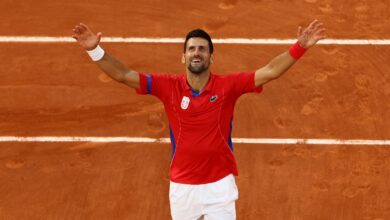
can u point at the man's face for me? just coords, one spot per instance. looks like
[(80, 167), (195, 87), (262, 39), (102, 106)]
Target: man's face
[(197, 56)]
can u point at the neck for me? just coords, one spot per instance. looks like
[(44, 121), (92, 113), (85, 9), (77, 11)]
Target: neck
[(198, 81)]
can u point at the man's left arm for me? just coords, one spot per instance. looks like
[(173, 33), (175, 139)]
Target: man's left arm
[(281, 63)]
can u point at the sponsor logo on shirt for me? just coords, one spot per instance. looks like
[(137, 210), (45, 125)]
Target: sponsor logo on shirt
[(213, 98), (185, 102)]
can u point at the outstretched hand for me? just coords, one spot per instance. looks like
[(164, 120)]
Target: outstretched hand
[(86, 38), (309, 36)]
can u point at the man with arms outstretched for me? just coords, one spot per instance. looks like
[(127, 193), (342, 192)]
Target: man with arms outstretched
[(199, 106)]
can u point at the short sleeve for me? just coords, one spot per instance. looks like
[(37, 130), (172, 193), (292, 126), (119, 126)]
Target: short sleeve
[(158, 85), (244, 83), (144, 84)]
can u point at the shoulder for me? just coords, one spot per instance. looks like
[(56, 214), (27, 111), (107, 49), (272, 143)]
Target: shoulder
[(231, 77), (164, 76)]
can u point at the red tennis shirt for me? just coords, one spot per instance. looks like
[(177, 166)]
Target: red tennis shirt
[(200, 123)]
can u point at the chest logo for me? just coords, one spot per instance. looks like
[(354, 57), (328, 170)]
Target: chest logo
[(213, 98), (185, 102)]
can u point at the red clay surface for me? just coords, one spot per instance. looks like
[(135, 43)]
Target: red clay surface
[(222, 18), (339, 92)]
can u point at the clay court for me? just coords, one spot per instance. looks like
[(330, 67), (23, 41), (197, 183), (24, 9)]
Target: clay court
[(335, 92)]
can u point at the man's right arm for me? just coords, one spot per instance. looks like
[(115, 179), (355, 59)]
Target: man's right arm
[(107, 63)]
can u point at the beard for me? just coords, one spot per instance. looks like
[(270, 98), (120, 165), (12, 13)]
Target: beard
[(197, 69)]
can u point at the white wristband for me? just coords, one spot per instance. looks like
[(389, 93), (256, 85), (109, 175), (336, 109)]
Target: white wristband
[(96, 54)]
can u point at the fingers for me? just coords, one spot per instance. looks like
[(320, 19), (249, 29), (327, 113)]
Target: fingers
[(299, 31), (314, 27), (99, 36), (321, 34), (312, 34), (81, 28), (75, 30), (318, 26), (78, 29), (320, 31), (84, 27), (313, 24)]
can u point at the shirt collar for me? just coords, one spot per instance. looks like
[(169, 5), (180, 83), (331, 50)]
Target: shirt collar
[(208, 86)]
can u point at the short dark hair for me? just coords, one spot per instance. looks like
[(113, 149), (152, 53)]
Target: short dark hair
[(201, 34)]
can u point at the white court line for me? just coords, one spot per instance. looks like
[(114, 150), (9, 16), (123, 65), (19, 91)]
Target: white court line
[(46, 39), (36, 39), (167, 140)]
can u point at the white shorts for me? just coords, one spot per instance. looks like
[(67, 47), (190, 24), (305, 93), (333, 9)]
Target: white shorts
[(211, 201)]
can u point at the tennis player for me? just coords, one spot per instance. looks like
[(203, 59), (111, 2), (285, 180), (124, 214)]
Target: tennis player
[(199, 106)]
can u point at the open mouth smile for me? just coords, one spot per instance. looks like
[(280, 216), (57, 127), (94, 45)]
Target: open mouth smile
[(196, 61)]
